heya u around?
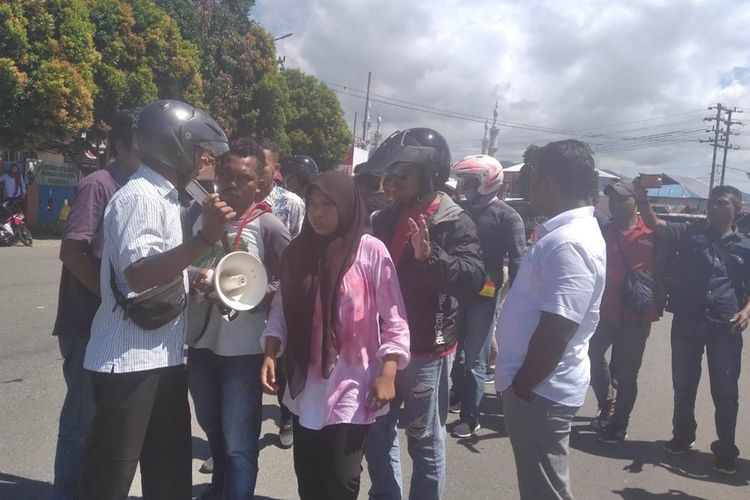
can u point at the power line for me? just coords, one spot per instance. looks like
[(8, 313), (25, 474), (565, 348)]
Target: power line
[(612, 143), (404, 104)]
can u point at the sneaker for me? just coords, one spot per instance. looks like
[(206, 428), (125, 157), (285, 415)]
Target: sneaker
[(464, 430), (612, 435), (455, 408), (725, 466), (603, 419), (207, 467), (677, 446), (286, 435), (489, 378)]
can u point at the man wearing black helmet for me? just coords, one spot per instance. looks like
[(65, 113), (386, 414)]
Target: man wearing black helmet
[(298, 172), (135, 356), (435, 247)]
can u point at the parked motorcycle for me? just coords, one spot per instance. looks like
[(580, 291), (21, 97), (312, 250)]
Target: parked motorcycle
[(13, 227)]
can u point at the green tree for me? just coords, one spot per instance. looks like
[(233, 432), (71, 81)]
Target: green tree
[(315, 125), (46, 81), (144, 57), (242, 87)]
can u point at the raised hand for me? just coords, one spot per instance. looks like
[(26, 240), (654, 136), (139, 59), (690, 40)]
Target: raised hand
[(420, 238)]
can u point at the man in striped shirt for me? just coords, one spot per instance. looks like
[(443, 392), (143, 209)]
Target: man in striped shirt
[(139, 383)]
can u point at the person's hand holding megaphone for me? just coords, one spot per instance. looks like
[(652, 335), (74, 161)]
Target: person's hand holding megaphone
[(203, 281), (216, 213)]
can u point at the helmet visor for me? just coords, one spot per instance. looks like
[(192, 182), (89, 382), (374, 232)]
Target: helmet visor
[(396, 150), (216, 148)]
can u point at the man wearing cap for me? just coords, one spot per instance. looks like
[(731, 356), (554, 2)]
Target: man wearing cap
[(631, 247)]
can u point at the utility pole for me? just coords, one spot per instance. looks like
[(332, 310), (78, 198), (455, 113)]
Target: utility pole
[(720, 140), (367, 108), (728, 122), (715, 140)]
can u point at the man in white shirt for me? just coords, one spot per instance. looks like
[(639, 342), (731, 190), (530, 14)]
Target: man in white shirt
[(548, 318), (138, 381)]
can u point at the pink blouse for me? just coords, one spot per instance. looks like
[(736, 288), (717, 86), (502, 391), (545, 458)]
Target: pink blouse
[(369, 292)]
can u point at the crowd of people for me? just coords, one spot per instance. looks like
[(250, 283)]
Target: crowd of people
[(380, 306)]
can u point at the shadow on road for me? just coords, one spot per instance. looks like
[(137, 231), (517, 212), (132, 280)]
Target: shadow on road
[(21, 488), (641, 494), (695, 464)]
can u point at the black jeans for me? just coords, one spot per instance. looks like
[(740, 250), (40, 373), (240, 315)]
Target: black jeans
[(628, 343), (328, 462), (140, 417), (724, 355)]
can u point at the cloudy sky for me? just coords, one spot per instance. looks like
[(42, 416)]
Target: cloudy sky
[(634, 79)]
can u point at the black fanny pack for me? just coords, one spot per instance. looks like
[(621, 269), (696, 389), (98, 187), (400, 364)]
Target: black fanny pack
[(637, 291), (153, 308)]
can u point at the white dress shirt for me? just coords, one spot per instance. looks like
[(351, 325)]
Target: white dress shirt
[(142, 219), (563, 273)]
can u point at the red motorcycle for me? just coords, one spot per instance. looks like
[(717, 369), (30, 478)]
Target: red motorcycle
[(13, 227)]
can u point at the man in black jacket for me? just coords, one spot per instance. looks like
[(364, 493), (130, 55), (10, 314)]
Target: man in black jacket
[(501, 234), (435, 247)]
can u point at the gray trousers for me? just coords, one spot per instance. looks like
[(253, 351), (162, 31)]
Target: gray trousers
[(539, 432)]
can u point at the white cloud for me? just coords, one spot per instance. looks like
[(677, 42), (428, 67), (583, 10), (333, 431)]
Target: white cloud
[(576, 65)]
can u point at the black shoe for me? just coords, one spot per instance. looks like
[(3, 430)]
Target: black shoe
[(464, 429), (207, 467), (286, 436), (613, 435), (677, 446), (455, 408), (725, 466), (603, 419)]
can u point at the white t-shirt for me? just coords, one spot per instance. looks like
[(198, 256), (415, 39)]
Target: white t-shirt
[(563, 273)]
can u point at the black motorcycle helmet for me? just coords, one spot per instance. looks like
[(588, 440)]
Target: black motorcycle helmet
[(299, 165), (298, 172), (167, 133), (420, 146)]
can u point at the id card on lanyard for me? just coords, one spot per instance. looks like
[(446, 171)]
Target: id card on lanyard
[(252, 213)]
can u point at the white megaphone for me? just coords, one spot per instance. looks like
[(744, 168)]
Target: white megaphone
[(240, 281)]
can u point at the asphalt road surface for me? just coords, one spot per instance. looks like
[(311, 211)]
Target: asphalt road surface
[(32, 390)]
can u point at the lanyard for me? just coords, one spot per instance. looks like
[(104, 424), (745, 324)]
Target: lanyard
[(250, 215)]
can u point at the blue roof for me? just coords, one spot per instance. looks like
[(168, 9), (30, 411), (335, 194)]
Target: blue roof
[(677, 190)]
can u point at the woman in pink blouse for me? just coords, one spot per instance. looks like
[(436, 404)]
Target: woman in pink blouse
[(340, 318)]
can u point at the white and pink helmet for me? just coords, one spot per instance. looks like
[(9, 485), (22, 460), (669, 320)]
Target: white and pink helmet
[(485, 168)]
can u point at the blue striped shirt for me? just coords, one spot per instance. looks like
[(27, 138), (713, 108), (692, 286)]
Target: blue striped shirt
[(142, 219)]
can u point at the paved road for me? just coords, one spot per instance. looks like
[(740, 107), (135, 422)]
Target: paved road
[(31, 392)]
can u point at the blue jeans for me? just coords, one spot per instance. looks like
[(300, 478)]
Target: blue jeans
[(75, 418), (723, 352), (471, 361), (228, 405), (422, 387)]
